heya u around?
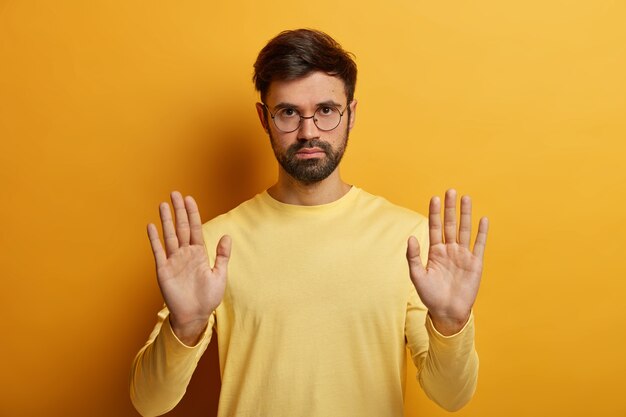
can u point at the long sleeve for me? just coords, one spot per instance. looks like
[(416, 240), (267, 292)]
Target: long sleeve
[(447, 365), (163, 368)]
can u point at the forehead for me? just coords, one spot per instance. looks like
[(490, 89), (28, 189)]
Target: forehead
[(314, 88)]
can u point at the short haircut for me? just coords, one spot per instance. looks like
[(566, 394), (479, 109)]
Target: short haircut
[(293, 54)]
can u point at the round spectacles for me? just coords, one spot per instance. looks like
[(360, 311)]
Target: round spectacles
[(288, 119)]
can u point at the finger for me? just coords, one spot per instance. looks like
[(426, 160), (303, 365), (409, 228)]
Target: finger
[(169, 234), (449, 216), (413, 256), (465, 228), (195, 223), (182, 221), (481, 237), (157, 248), (434, 221), (222, 253)]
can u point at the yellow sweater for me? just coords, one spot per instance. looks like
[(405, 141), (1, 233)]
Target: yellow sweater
[(317, 314)]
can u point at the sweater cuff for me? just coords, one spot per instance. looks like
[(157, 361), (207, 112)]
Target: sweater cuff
[(467, 330), (173, 344)]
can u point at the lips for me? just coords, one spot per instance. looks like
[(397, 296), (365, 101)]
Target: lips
[(307, 153), (310, 151)]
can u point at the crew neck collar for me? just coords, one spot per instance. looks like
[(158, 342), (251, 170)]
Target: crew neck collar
[(297, 208)]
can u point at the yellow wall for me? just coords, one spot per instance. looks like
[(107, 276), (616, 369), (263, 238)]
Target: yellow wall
[(106, 106)]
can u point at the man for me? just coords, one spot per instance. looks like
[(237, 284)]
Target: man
[(318, 308)]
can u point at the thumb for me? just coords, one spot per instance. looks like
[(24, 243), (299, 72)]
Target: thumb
[(222, 253), (413, 256)]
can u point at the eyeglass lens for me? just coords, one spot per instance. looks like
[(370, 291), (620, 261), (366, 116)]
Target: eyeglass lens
[(325, 118)]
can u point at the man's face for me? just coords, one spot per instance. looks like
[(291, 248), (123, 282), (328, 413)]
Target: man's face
[(308, 154)]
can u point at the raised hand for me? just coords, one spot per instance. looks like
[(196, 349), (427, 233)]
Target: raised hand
[(190, 287), (449, 284)]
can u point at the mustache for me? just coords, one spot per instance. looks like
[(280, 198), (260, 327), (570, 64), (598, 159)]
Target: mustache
[(313, 143)]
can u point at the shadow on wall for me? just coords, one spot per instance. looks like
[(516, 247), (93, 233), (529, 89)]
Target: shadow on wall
[(239, 161), (203, 392), (239, 164)]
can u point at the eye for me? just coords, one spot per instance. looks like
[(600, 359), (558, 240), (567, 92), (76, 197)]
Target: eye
[(288, 113), (326, 111)]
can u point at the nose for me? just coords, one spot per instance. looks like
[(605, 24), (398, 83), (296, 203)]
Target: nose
[(307, 130)]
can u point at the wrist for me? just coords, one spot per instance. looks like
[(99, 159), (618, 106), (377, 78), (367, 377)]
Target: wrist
[(189, 332), (447, 325)]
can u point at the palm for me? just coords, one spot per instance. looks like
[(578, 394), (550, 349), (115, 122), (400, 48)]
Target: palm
[(188, 284), (451, 279), (190, 287), (449, 284)]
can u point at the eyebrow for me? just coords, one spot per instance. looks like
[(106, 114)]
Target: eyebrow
[(286, 105)]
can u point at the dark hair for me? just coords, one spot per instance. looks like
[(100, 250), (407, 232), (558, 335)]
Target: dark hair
[(293, 54)]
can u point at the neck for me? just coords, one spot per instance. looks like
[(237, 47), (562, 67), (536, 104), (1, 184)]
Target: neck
[(290, 191)]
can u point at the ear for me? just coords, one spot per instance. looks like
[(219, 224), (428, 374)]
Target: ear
[(352, 114), (260, 110)]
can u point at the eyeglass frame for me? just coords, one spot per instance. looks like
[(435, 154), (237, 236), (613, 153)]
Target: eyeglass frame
[(273, 115)]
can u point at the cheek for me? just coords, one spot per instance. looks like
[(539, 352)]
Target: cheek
[(281, 140)]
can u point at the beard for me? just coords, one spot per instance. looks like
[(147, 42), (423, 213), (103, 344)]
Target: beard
[(310, 171)]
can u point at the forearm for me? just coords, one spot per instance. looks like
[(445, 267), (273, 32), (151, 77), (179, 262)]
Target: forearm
[(162, 370), (448, 372)]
